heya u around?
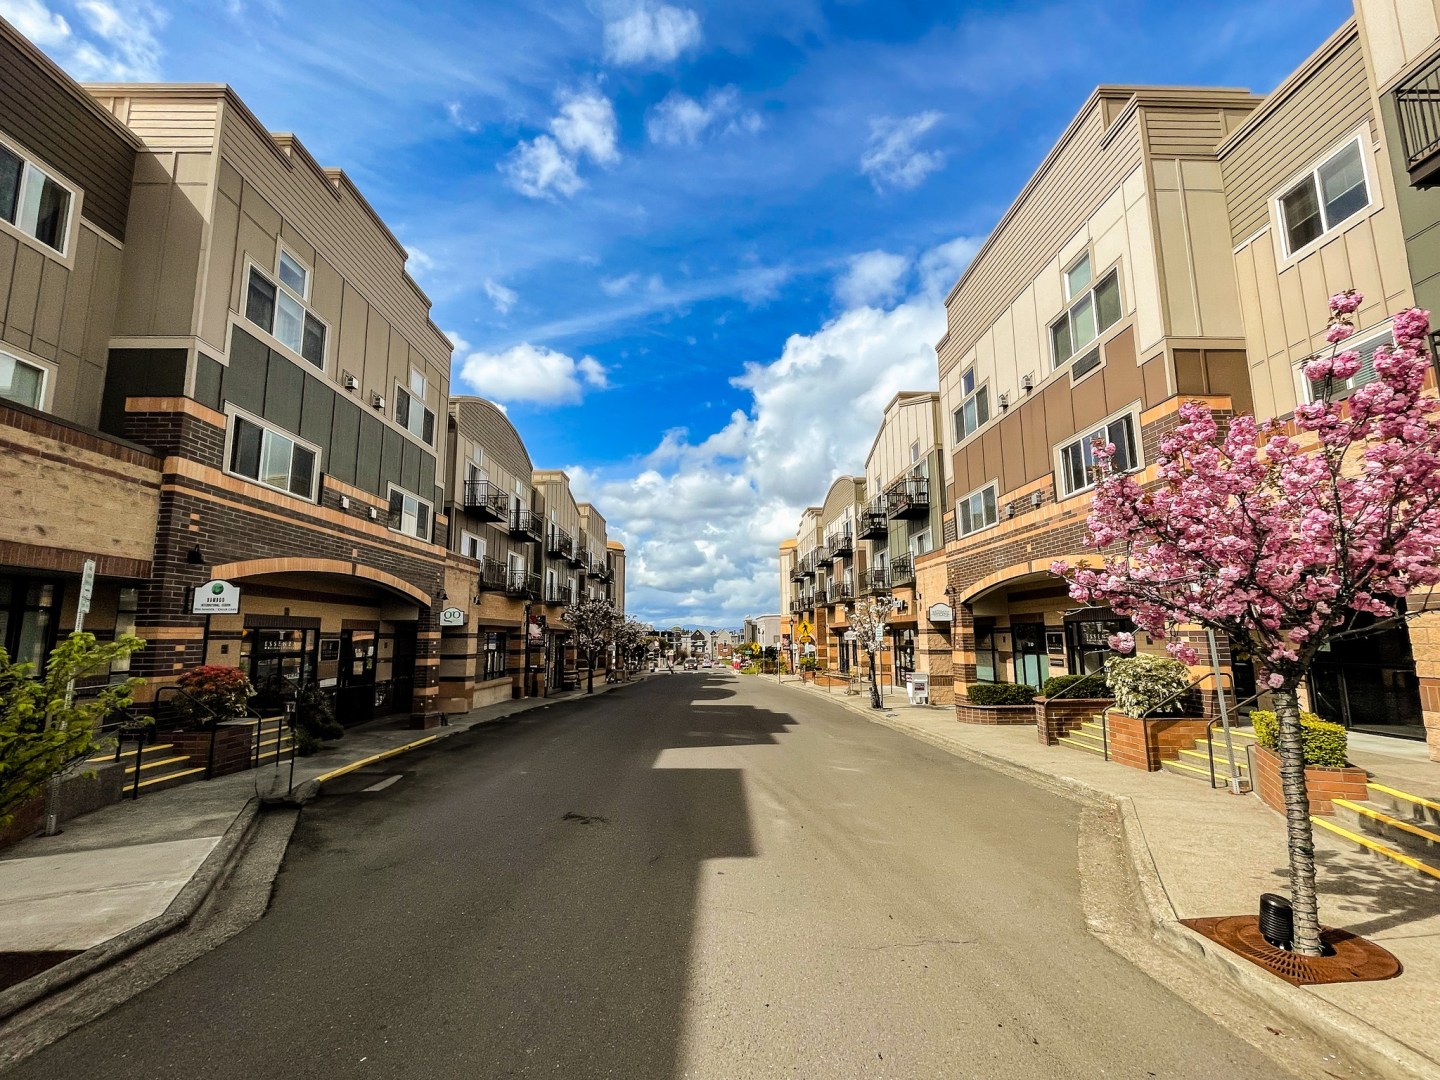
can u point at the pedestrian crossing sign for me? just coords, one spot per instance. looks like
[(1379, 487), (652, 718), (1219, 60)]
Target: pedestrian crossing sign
[(805, 632)]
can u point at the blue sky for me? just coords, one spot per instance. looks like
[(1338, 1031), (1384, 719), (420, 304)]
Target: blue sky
[(692, 248)]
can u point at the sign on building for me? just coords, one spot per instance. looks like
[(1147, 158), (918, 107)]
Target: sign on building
[(216, 598), (452, 616)]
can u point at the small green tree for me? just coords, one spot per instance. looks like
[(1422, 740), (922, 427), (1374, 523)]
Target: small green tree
[(43, 729), (594, 622)]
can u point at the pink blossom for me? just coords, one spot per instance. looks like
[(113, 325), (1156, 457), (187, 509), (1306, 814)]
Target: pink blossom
[(1338, 332), (1319, 369), (1347, 302), (1274, 680), (1345, 364), (1122, 643)]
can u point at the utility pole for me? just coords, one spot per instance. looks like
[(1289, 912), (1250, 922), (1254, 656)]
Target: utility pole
[(525, 673)]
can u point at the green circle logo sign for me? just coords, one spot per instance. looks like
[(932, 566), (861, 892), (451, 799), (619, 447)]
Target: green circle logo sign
[(217, 588)]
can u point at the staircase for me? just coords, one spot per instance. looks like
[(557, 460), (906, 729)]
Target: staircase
[(1391, 824), (1196, 763), (1089, 736), (160, 767), (273, 746)]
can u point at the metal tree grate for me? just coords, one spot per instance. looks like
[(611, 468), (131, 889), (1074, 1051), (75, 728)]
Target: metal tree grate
[(1352, 958)]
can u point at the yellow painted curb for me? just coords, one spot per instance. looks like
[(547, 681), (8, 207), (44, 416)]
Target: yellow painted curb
[(1380, 849), (1386, 819), (394, 750), (1428, 804)]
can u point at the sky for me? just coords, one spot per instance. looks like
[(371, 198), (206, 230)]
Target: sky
[(693, 249)]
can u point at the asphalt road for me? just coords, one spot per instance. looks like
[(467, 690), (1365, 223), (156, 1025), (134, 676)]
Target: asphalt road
[(700, 875)]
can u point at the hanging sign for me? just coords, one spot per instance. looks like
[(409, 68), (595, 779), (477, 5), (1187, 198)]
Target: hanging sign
[(216, 598), (939, 613), (87, 587), (452, 616)]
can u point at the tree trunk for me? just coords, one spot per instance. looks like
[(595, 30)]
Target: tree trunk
[(874, 686), (1300, 834), (590, 672)]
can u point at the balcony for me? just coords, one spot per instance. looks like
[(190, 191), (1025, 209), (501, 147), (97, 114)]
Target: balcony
[(874, 523), (522, 584), (823, 556), (873, 582), (796, 574), (558, 542), (902, 570), (557, 592), (527, 525), (841, 546), (798, 607), (839, 594), (492, 576), (909, 498), (601, 571), (1417, 103), (807, 564), (486, 501)]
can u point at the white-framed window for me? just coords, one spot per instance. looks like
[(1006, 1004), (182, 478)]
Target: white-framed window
[(1333, 191), (979, 510), (472, 546), (1078, 276), (294, 275), (34, 201), (419, 385), (282, 314), (516, 562), (22, 381), (1365, 344), (409, 514), (1089, 315), (413, 416), (974, 410), (272, 457), (915, 451), (1077, 458), (920, 543)]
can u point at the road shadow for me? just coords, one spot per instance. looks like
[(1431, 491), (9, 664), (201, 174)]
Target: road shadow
[(1368, 895)]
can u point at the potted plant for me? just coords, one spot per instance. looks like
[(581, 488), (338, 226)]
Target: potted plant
[(996, 703), (1144, 726), (1328, 773)]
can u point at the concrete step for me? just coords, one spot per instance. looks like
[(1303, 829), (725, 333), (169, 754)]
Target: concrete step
[(150, 752), (170, 779), (1365, 817), (1401, 804), (1199, 757), (1380, 848), (1188, 769), (1085, 745), (158, 766), (1091, 738)]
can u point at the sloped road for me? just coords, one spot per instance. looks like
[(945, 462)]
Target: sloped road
[(697, 876)]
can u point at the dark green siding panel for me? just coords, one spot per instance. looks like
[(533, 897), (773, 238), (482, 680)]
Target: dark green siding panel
[(245, 377), (344, 441), (410, 468), (283, 388), (427, 477), (317, 407), (367, 464), (139, 373), (391, 453), (208, 374)]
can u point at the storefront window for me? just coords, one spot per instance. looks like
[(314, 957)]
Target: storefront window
[(494, 656), (986, 660), (1088, 641), (29, 611)]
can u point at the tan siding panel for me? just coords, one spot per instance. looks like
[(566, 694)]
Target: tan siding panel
[(222, 285), (50, 308), (179, 274), (24, 295), (9, 248), (77, 298)]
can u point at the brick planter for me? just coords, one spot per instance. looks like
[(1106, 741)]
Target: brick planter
[(1324, 785), (994, 715), (234, 746), (1143, 744), (1057, 717)]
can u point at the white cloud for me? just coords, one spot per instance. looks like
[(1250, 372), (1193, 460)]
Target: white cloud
[(874, 278), (941, 267), (642, 31), (503, 298), (892, 159), (529, 373), (547, 164), (681, 120), (113, 40), (619, 286)]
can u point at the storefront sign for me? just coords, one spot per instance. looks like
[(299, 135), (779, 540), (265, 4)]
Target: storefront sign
[(940, 613), (452, 616), (87, 587), (216, 598)]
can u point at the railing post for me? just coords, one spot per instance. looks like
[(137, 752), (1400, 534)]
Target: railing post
[(139, 754)]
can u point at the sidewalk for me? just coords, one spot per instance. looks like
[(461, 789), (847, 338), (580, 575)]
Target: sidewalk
[(121, 867), (1214, 853)]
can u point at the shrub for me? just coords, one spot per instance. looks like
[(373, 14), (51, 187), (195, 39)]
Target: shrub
[(212, 691), (1068, 685), (1000, 693), (809, 663), (1325, 744), (315, 719), (1142, 682)]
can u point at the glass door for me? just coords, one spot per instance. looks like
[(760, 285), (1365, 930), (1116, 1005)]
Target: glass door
[(1031, 658)]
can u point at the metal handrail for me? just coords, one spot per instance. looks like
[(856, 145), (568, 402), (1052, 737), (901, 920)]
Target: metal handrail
[(1210, 743), (1193, 685), (213, 724)]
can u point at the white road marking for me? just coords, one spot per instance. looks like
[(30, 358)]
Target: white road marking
[(383, 784)]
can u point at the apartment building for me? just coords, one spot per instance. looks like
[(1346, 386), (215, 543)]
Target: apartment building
[(840, 565), (65, 198), (1104, 297)]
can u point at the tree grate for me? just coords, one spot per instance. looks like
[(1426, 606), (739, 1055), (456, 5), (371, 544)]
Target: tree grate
[(1351, 958)]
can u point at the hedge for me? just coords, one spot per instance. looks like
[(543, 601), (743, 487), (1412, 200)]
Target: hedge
[(1325, 743), (1058, 684), (1000, 693)]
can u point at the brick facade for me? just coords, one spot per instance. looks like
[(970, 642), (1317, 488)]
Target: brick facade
[(1144, 743), (1324, 786)]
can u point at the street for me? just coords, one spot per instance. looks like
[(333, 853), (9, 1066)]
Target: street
[(701, 875)]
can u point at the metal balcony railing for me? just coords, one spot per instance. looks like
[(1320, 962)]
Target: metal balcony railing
[(1417, 103), (875, 581), (796, 574), (492, 575), (558, 542), (522, 583), (839, 594), (559, 593), (841, 545), (527, 525), (902, 570), (874, 523), (909, 498), (582, 549), (807, 564), (823, 556), (486, 501)]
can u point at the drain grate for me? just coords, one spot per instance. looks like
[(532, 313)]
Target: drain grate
[(1353, 958)]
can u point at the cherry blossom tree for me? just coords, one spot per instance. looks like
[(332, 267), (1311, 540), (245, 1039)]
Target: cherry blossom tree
[(1283, 536), (594, 622), (868, 618)]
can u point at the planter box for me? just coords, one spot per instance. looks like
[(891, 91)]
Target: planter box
[(234, 746), (1143, 744), (1324, 785), (1057, 717), (1003, 715)]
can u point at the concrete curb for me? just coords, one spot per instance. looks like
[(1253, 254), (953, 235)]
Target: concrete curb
[(180, 911), (1363, 1043)]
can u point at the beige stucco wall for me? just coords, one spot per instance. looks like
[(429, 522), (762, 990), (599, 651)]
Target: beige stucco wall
[(1398, 33)]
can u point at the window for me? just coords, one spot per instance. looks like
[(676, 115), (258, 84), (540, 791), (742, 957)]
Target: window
[(1088, 317), (271, 458), (34, 201), (409, 515), (967, 381), (411, 414), (279, 313), (1333, 192), (472, 546), (1366, 347), (978, 510), (1077, 277), (1077, 459), (920, 543), (973, 414), (294, 276), (21, 382), (418, 383), (915, 451), (494, 656)]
